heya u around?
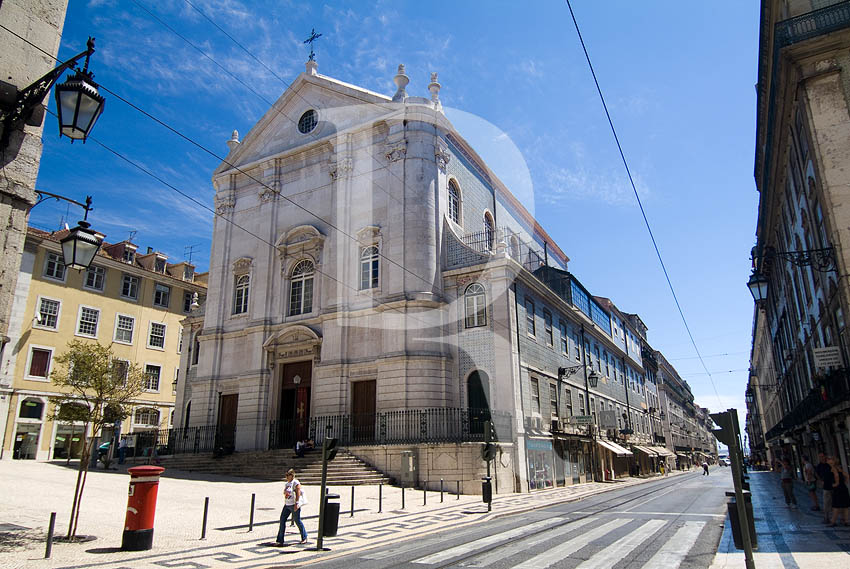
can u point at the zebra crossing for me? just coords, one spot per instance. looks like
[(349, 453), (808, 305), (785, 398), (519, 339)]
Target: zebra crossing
[(561, 542)]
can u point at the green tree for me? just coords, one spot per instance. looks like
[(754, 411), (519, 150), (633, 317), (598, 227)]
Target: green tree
[(96, 391)]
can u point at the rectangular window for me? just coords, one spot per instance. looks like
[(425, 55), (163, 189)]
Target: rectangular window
[(568, 402), (529, 317), (48, 313), (553, 400), (152, 374), (120, 369), (176, 380), (156, 339), (581, 404), (95, 278), (129, 255), (565, 343), (598, 359), (187, 301), (161, 295), (180, 341), (39, 363), (130, 286), (54, 267), (124, 326), (547, 328), (87, 325), (576, 347), (607, 364), (535, 396)]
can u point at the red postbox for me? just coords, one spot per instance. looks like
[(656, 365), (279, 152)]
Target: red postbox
[(141, 507)]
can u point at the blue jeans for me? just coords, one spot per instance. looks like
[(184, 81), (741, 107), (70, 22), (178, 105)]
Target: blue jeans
[(296, 517)]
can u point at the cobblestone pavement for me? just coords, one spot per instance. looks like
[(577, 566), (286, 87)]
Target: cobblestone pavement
[(37, 489), (788, 537)]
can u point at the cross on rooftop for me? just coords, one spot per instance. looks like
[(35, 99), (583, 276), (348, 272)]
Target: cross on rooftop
[(313, 37)]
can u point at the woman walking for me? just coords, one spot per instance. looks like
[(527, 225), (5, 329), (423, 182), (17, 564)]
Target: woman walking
[(786, 475), (840, 493), (291, 505)]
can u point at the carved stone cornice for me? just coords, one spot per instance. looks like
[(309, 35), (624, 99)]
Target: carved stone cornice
[(224, 205), (242, 265)]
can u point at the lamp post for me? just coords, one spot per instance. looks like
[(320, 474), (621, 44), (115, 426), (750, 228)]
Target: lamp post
[(81, 244), (78, 103)]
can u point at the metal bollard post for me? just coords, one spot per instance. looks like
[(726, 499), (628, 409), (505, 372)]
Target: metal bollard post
[(402, 497), (425, 493), (380, 496), (204, 526), (49, 548), (458, 490), (251, 519), (441, 490), (352, 502)]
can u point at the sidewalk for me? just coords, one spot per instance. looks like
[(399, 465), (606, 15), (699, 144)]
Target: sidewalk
[(40, 488), (788, 538)]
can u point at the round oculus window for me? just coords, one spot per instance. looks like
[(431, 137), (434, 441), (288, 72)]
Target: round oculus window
[(308, 122)]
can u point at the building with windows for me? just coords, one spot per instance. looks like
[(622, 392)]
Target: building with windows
[(134, 301), (799, 387), (392, 293)]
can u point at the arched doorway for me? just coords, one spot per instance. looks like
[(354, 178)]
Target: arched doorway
[(478, 400)]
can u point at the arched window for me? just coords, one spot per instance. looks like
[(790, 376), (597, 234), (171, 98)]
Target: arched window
[(301, 288), (489, 230), (147, 417), (454, 202), (369, 268), (240, 294), (478, 391), (476, 308), (515, 247)]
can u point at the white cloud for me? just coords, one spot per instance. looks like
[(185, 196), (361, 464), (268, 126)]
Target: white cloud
[(580, 183)]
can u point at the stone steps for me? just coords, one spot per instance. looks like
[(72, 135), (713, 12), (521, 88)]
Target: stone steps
[(345, 469)]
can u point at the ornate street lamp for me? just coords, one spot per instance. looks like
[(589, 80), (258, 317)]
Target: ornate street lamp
[(758, 286), (593, 379), (81, 244), (748, 396), (77, 101)]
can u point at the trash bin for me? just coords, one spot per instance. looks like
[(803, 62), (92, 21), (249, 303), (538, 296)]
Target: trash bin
[(331, 521), (735, 523), (486, 490)]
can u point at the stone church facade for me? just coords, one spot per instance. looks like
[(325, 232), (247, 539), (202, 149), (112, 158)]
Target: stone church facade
[(371, 279)]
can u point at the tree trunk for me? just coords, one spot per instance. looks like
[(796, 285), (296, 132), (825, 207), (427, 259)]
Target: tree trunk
[(78, 490)]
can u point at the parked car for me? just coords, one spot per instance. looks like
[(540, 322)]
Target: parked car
[(722, 462)]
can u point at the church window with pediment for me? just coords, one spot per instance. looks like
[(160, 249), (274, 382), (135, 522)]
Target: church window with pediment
[(369, 268), (308, 122), (301, 288), (454, 202), (240, 294)]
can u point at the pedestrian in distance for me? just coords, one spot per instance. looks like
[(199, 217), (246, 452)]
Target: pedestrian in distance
[(840, 494), (299, 449), (810, 477), (786, 476), (122, 450), (293, 499), (826, 482), (704, 468)]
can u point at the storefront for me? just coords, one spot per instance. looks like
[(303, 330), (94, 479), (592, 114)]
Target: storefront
[(613, 458), (646, 459), (68, 442), (541, 467)]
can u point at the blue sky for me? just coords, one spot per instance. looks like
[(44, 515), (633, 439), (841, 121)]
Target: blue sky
[(678, 79)]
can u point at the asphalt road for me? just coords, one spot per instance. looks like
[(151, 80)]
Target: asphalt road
[(664, 524)]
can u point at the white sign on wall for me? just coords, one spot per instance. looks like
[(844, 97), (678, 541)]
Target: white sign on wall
[(827, 357)]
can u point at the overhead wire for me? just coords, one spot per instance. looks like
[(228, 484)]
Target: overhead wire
[(639, 202)]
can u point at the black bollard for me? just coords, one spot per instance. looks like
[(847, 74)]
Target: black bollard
[(204, 526), (49, 548), (251, 519), (352, 502), (441, 490), (380, 496), (402, 497), (425, 493), (458, 490)]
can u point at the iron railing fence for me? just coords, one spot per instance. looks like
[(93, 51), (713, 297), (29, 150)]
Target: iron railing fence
[(282, 433), (410, 426), (189, 440), (475, 248)]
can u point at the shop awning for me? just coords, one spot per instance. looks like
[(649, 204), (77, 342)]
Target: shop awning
[(645, 450), (614, 447), (663, 451), (682, 455)]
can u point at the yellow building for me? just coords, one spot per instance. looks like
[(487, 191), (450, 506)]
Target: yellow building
[(132, 300)]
